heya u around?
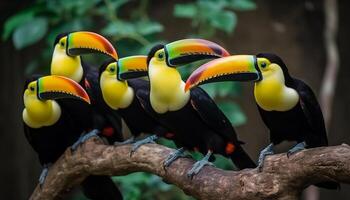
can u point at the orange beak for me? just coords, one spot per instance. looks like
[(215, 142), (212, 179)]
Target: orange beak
[(83, 42), (58, 87)]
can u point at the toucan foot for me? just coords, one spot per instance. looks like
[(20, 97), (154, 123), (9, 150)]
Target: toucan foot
[(196, 168), (84, 138), (136, 145), (43, 174), (173, 156), (265, 152), (128, 141), (299, 147)]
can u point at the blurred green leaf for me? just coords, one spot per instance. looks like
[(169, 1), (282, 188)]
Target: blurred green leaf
[(16, 20), (227, 89), (119, 28), (224, 20), (223, 162), (84, 6), (211, 89), (233, 112), (116, 4), (185, 10), (222, 89), (242, 5), (207, 7), (167, 143), (148, 27), (30, 32)]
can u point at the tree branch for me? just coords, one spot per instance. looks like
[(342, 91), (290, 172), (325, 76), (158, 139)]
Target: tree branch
[(282, 178)]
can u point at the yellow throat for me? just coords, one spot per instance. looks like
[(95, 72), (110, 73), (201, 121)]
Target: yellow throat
[(271, 93), (117, 94), (37, 113), (167, 87), (64, 65)]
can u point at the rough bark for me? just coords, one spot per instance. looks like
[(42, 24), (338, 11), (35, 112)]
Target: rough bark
[(282, 178)]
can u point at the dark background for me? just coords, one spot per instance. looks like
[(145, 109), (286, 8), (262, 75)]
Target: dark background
[(292, 29)]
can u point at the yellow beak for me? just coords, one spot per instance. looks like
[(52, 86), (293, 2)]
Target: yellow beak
[(58, 87), (232, 68)]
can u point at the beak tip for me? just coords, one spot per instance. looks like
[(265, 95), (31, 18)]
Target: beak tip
[(187, 86)]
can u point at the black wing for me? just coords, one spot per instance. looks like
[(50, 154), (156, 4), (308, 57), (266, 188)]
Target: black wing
[(104, 116), (211, 114), (139, 84), (313, 114)]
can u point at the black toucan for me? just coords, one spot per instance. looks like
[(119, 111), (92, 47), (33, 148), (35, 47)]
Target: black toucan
[(287, 105), (120, 96), (66, 61), (193, 117), (56, 112)]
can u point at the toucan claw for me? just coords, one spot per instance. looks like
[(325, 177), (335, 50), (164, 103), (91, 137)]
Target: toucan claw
[(84, 138), (43, 175), (174, 156), (299, 147), (136, 145), (128, 141), (197, 167), (265, 152)]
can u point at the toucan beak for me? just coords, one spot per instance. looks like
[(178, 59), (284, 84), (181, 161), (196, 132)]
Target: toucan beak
[(58, 87), (132, 67), (189, 50), (83, 42), (232, 68)]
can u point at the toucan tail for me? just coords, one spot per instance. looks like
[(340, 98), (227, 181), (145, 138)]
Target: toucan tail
[(100, 188), (241, 159), (329, 185)]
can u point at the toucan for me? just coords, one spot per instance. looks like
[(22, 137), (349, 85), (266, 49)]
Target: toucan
[(287, 105), (120, 96), (56, 112), (194, 118), (67, 61)]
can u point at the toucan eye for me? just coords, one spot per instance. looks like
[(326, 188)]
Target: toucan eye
[(263, 65), (161, 55), (62, 44), (112, 69), (32, 88)]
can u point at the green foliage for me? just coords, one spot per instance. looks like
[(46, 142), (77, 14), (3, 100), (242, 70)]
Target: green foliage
[(132, 31), (209, 15), (233, 112), (29, 33)]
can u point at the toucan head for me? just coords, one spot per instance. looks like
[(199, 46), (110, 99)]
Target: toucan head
[(54, 87), (114, 87), (39, 97), (176, 54), (69, 46), (239, 68)]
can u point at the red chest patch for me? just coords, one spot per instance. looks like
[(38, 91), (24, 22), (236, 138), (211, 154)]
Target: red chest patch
[(108, 131), (230, 148), (169, 135)]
